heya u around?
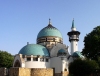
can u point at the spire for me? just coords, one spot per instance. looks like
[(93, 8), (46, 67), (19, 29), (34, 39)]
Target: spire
[(73, 27), (73, 23), (49, 21)]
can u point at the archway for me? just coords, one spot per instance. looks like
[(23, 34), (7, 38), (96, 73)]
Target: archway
[(17, 64)]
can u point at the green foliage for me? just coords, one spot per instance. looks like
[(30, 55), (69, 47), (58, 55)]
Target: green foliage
[(82, 67), (6, 59), (92, 44)]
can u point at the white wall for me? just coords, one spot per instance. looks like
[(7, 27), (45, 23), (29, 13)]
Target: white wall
[(58, 64), (32, 64), (37, 64), (23, 65)]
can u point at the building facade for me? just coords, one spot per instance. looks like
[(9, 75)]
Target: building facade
[(49, 53)]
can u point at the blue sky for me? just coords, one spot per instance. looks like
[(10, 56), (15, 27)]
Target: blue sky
[(21, 20)]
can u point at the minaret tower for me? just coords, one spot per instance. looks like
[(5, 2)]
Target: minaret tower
[(73, 38)]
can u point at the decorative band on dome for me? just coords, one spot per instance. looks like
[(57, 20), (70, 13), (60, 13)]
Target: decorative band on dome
[(49, 39)]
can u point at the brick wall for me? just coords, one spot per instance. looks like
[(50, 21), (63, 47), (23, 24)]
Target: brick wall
[(65, 73), (24, 72), (30, 72), (41, 72), (14, 72), (19, 72)]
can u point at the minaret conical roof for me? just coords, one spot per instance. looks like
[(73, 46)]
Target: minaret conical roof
[(73, 24)]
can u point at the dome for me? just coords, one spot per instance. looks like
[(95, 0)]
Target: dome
[(34, 49), (49, 31), (77, 54), (61, 51)]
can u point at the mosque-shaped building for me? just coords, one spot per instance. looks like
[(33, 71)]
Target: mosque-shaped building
[(49, 51)]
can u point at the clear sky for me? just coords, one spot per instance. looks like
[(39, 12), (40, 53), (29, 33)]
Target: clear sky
[(21, 20)]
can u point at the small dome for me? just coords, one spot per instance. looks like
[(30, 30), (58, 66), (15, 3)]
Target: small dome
[(49, 31), (61, 51), (34, 49), (77, 54)]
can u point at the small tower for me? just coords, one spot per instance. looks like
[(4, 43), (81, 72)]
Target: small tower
[(73, 38)]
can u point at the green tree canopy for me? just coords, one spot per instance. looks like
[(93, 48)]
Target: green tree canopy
[(6, 59), (92, 44), (82, 67)]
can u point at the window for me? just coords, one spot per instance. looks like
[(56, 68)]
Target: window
[(47, 60), (29, 59), (35, 59), (41, 59)]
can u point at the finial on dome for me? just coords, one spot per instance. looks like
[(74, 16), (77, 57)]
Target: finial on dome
[(49, 21), (27, 43)]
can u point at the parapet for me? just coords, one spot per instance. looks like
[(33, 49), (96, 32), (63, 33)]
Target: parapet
[(30, 72)]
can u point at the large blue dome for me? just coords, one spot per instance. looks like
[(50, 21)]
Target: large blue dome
[(34, 49), (49, 31)]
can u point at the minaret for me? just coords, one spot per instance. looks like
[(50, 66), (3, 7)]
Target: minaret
[(73, 38)]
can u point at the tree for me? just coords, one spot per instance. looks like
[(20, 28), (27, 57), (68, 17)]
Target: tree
[(92, 44), (82, 67), (6, 59)]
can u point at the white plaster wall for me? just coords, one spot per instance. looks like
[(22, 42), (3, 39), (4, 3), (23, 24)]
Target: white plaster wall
[(55, 62), (74, 46), (37, 64), (32, 64), (58, 64), (23, 64)]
